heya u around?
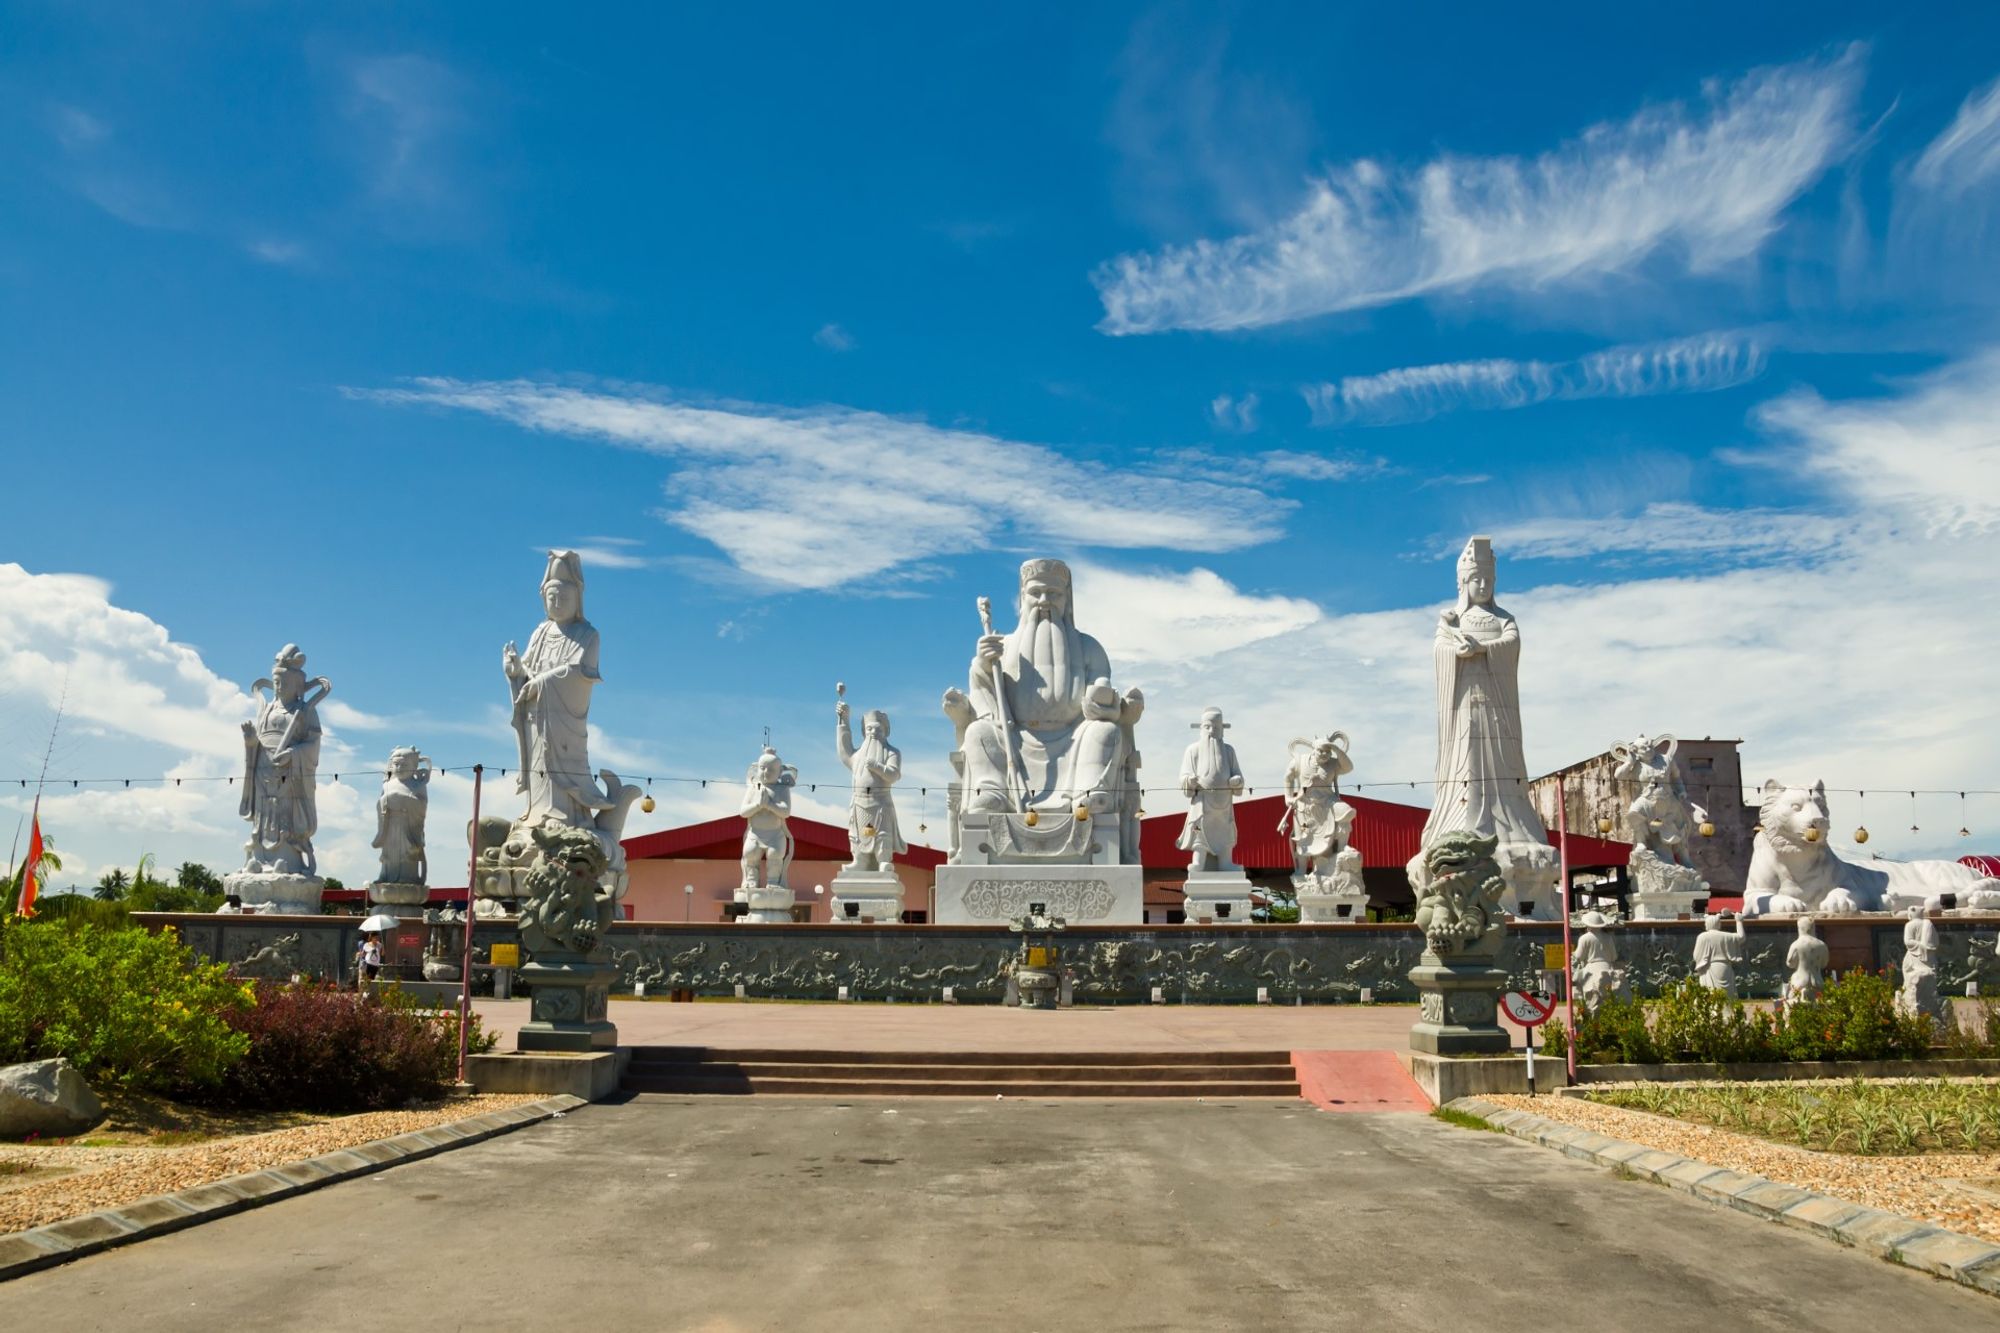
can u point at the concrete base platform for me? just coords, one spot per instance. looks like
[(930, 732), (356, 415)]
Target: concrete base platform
[(1445, 1078), (1093, 895), (592, 1077)]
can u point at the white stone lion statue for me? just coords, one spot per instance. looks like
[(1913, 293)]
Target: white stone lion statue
[(1792, 869)]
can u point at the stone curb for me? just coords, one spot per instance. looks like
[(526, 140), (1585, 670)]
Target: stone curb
[(1966, 1260), (74, 1237)]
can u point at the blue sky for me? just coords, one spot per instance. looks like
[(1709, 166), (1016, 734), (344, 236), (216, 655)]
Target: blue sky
[(806, 325)]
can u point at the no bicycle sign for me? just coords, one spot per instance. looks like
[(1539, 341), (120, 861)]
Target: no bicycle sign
[(1527, 1010)]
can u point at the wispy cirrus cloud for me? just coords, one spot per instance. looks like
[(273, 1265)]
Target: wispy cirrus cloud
[(1968, 151), (823, 496), (1707, 182), (1701, 364), (1236, 415)]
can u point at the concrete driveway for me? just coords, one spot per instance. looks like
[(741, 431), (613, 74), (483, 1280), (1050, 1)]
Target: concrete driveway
[(769, 1213)]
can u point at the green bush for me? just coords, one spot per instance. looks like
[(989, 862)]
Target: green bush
[(1616, 1034), (129, 1008), (314, 1047), (1694, 1022)]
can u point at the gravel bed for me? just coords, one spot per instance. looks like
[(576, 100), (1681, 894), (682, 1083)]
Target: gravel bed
[(1923, 1187), (111, 1176)]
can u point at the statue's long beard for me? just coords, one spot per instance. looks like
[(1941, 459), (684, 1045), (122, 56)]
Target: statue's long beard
[(1209, 770), (1048, 652)]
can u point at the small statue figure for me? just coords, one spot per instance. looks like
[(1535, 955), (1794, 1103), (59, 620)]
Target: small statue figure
[(1661, 818), (567, 911), (1920, 994), (1594, 963), (281, 769), (399, 818), (873, 836), (1211, 779), (767, 808), (1807, 959), (1318, 820), (1458, 906), (1718, 952)]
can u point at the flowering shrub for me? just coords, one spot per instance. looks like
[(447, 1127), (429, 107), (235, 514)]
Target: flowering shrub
[(126, 1007), (314, 1047)]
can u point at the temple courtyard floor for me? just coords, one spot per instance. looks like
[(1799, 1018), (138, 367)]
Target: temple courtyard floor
[(779, 1213)]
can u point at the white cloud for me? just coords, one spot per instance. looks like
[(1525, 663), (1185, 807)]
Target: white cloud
[(1163, 617), (1235, 415), (406, 114), (1315, 467), (1671, 531), (1708, 184), (1704, 363), (1968, 151), (860, 494), (834, 338), (274, 251), (76, 128)]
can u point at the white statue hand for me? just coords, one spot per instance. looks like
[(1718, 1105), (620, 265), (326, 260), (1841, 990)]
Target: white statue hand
[(840, 710), (988, 652)]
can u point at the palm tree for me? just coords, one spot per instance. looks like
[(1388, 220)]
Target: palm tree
[(198, 877), (111, 886)]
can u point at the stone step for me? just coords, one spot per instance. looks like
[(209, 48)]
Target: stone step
[(1095, 1059), (955, 1073), (829, 1087)]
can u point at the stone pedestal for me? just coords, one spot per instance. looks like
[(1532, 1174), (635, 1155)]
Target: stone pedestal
[(398, 895), (1661, 890), (1220, 896), (1665, 906), (768, 906), (271, 891), (999, 895), (859, 894), (567, 1011), (1323, 908), (1459, 1007)]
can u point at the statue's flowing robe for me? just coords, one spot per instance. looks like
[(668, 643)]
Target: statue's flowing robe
[(399, 831), (1481, 775), (1044, 706), (1807, 958), (1717, 955), (767, 833), (1210, 828), (281, 803), (554, 728), (873, 805)]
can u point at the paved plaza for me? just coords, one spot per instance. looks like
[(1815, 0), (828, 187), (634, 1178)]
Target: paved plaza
[(773, 1213)]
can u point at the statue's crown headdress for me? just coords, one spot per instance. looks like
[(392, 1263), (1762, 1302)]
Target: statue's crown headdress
[(1048, 571), (564, 567), (1477, 557), (290, 658)]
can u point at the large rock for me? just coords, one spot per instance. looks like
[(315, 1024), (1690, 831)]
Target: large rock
[(46, 1097)]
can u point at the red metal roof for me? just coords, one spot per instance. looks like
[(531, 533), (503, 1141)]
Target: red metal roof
[(1386, 833), (722, 840), (1985, 865)]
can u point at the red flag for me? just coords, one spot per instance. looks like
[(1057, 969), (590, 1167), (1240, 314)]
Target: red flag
[(27, 907)]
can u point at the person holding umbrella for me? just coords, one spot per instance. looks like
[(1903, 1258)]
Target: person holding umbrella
[(368, 953)]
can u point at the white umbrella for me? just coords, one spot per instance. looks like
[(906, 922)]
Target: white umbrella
[(380, 921)]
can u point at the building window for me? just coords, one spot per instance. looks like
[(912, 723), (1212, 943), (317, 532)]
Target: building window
[(1702, 765)]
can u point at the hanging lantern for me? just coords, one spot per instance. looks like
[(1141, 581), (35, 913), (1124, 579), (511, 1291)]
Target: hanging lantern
[(1812, 835), (1604, 823), (1655, 823), (1861, 834), (1031, 819), (1756, 828), (1708, 828), (1083, 813), (1964, 832), (647, 805), (867, 830)]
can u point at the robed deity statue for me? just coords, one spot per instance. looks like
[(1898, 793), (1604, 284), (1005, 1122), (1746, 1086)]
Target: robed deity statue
[(1044, 729), (1211, 779), (873, 836), (400, 812), (281, 769), (1481, 776)]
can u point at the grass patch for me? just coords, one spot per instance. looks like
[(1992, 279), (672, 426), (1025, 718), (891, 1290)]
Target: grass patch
[(1864, 1117), (1451, 1115)]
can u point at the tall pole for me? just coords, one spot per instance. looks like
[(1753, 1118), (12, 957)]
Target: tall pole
[(1569, 988), (471, 893)]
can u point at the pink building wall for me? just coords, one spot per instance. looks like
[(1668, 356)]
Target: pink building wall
[(657, 891)]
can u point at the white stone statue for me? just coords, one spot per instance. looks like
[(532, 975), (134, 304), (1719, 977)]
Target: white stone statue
[(873, 835), (1660, 822), (767, 838), (1211, 779), (1807, 959), (280, 790), (1718, 952), (399, 829), (1326, 871), (550, 688), (1048, 733), (1920, 993), (1792, 869), (1482, 777), (1594, 969)]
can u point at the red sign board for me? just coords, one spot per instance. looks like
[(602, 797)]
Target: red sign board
[(1527, 1010), (411, 941)]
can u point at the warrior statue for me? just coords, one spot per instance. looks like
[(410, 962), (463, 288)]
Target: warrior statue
[(1319, 822), (872, 833), (281, 767)]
